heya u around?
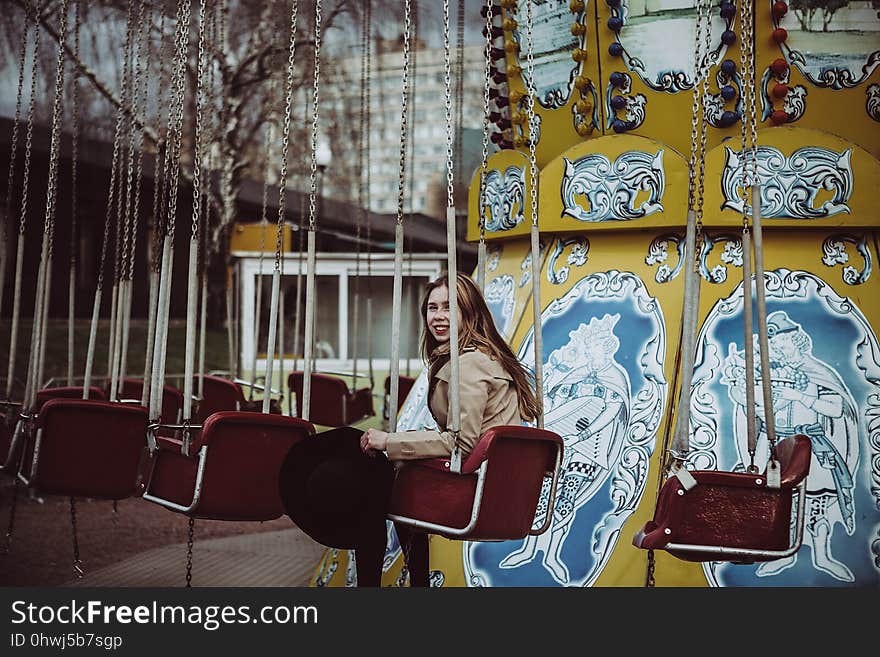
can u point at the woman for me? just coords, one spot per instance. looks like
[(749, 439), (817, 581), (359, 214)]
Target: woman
[(336, 485)]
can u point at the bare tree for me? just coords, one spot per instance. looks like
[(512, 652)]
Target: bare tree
[(248, 53)]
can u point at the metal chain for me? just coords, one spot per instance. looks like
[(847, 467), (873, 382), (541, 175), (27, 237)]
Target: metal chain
[(134, 129), (197, 147), (401, 169), (315, 89), (367, 217), (487, 71), (696, 106), (363, 138), (189, 551), (649, 579), (459, 88), (752, 111), (10, 527), (748, 126), (176, 124), (74, 157), (702, 67), (412, 113), (213, 134), (30, 124), (125, 200), (74, 138), (77, 562), (532, 116), (368, 120), (705, 69), (122, 227), (368, 201), (22, 55), (160, 166), (447, 76), (16, 301), (139, 145), (111, 194), (535, 247), (412, 155), (55, 144), (285, 140)]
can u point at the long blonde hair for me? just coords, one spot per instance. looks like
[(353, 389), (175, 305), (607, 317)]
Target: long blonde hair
[(476, 329)]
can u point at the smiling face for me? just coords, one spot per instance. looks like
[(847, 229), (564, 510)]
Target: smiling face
[(437, 313)]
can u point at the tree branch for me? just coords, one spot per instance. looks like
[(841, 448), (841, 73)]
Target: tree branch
[(86, 72)]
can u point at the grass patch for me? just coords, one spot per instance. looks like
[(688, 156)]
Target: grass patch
[(55, 366)]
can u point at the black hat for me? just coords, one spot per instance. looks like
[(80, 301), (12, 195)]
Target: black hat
[(332, 490)]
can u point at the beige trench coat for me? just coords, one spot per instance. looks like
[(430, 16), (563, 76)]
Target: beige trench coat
[(487, 398)]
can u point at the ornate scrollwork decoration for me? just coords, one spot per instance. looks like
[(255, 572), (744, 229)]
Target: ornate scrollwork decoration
[(577, 257), (834, 253), (658, 254), (794, 105), (611, 188), (731, 255), (504, 198), (872, 102), (789, 185)]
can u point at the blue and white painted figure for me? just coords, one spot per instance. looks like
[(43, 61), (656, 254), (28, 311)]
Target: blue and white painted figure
[(604, 399), (825, 378), (587, 404), (809, 397), (501, 300)]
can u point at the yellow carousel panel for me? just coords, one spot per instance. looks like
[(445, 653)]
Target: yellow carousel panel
[(507, 209), (508, 290), (611, 182), (566, 74), (609, 330), (821, 68), (823, 313), (648, 71), (809, 178)]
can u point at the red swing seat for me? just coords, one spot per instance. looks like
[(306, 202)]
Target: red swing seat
[(10, 442), (332, 403), (731, 516), (85, 448), (404, 385), (230, 471), (493, 499), (67, 392), (220, 394), (131, 389)]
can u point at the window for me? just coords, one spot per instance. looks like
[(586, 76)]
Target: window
[(326, 315), (335, 328), (380, 289)]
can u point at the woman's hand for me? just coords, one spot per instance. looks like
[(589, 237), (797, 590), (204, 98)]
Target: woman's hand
[(374, 440)]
